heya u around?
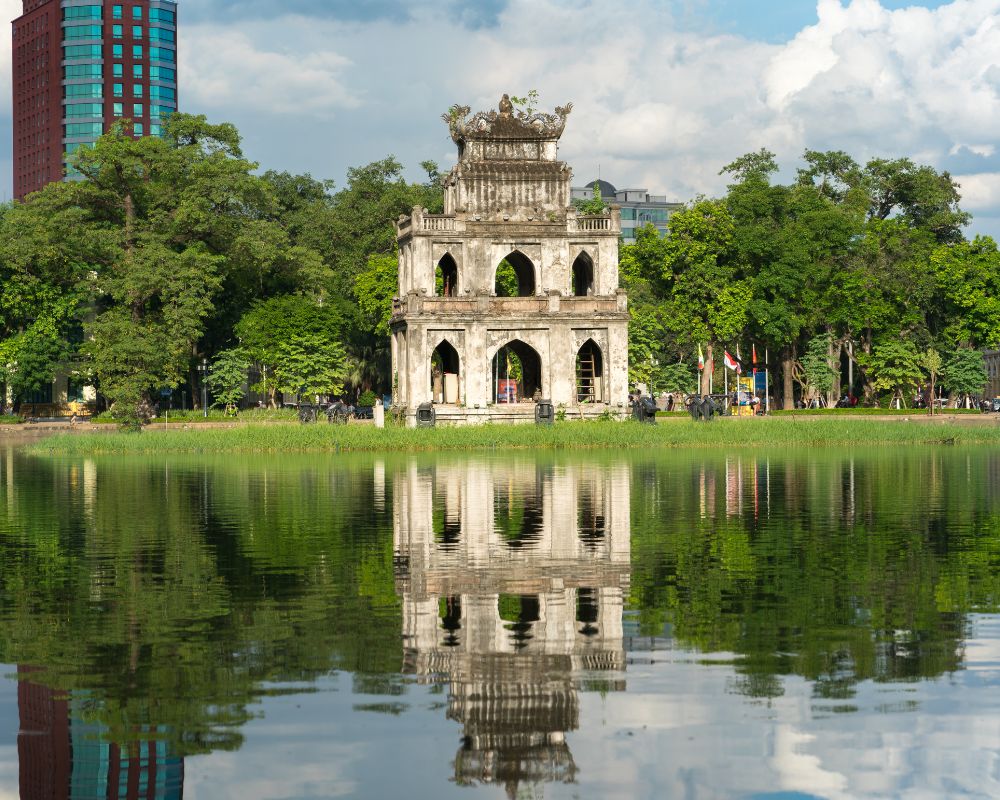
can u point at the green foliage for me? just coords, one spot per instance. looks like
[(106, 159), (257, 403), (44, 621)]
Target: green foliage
[(896, 365), (676, 377), (594, 206), (506, 280), (964, 372), (367, 398), (227, 377), (375, 287), (310, 364), (968, 285), (527, 104), (267, 329), (708, 298), (819, 375)]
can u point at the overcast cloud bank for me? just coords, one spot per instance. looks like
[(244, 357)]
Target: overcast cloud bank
[(319, 87)]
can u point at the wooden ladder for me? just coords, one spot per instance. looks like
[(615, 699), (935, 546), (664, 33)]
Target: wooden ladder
[(585, 378)]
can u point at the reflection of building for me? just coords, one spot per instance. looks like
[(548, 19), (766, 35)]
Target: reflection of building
[(63, 755), (513, 578), (639, 208), (509, 296)]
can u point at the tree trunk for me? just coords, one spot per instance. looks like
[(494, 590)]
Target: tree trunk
[(833, 359), (706, 374), (788, 398)]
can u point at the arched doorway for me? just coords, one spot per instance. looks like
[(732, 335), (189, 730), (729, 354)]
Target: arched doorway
[(589, 373), (444, 374), (515, 276), (583, 275), (517, 373), (446, 277)]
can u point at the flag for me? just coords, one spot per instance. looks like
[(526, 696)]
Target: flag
[(731, 363), (701, 359), (753, 347)]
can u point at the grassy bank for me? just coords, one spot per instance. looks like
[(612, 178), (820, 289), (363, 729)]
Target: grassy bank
[(601, 435)]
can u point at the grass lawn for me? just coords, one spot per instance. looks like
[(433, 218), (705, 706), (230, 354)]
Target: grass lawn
[(679, 432)]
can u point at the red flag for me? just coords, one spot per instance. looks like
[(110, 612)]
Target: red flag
[(753, 347), (731, 363)]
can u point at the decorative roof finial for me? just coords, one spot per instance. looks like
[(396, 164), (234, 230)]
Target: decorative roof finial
[(506, 107)]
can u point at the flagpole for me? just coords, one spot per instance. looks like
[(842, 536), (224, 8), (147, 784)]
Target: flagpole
[(767, 393)]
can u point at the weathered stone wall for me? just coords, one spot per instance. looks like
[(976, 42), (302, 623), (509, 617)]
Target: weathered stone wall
[(509, 197)]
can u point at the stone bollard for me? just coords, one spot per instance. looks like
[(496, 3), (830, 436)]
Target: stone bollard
[(379, 414)]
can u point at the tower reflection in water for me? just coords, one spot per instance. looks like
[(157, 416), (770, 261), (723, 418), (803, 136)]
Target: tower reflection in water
[(513, 577)]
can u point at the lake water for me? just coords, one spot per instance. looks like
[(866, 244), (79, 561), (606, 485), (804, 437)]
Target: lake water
[(689, 624)]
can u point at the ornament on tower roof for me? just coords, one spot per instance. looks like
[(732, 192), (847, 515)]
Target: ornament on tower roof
[(507, 123)]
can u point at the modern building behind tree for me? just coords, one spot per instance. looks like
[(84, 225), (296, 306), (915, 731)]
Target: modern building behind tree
[(79, 66), (639, 207)]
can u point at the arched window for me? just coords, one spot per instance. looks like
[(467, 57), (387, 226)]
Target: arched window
[(583, 275), (587, 611), (444, 374), (517, 373), (446, 277), (515, 276), (589, 373), (450, 614), (519, 613)]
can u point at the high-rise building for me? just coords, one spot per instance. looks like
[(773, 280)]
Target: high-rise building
[(80, 66)]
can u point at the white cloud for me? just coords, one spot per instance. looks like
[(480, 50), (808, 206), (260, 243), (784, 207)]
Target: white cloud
[(655, 105), (980, 191), (226, 69)]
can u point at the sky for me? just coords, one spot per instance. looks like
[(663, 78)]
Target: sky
[(665, 92)]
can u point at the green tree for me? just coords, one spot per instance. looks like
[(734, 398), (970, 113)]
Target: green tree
[(375, 287), (967, 307), (165, 226), (708, 296), (896, 365), (268, 326), (964, 373), (817, 371), (46, 256), (227, 377), (931, 362), (309, 365)]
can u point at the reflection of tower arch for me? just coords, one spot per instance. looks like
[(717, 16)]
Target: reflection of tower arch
[(510, 625)]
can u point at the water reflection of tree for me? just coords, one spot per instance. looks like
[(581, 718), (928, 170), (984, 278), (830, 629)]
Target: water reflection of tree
[(838, 568), (175, 591)]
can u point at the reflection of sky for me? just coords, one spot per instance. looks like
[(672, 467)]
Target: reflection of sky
[(678, 731)]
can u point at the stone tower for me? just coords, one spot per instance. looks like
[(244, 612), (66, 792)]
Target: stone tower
[(510, 296)]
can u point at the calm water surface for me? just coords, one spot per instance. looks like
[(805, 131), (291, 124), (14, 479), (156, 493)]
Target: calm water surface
[(680, 624)]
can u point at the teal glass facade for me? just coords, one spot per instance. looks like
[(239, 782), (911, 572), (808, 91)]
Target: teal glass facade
[(66, 53)]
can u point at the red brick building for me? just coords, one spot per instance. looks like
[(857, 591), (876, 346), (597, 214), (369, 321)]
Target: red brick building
[(78, 67)]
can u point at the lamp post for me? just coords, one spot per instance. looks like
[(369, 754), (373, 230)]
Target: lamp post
[(203, 369)]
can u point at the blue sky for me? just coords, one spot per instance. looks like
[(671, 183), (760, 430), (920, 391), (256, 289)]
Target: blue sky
[(772, 21), (664, 93)]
